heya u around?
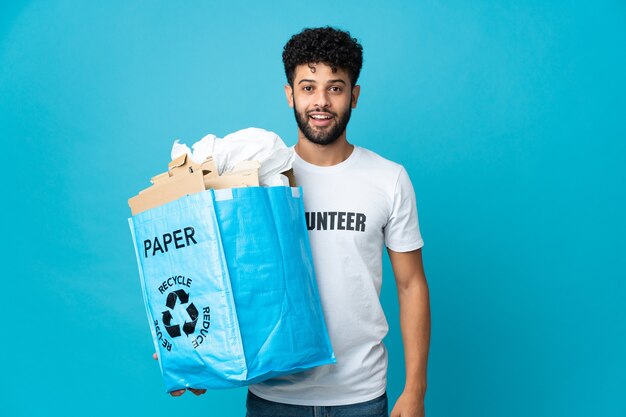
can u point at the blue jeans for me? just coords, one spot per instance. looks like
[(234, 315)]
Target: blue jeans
[(258, 407)]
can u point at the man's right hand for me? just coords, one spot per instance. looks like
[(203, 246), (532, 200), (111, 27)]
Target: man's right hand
[(180, 392)]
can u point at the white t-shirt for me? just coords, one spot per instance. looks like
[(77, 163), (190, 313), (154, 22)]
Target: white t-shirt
[(352, 210)]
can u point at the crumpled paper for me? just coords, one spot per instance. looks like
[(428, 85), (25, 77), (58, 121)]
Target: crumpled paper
[(251, 144)]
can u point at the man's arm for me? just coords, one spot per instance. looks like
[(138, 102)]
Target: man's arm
[(408, 270)]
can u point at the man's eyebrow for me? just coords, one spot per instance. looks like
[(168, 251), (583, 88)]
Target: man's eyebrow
[(337, 80)]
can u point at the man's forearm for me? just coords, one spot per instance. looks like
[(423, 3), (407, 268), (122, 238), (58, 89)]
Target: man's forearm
[(415, 327)]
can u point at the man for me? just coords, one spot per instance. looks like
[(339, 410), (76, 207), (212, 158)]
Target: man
[(355, 201)]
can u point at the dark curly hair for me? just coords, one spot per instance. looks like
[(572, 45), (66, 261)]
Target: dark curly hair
[(328, 45)]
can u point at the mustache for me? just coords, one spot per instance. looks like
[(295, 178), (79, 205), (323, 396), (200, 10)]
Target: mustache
[(321, 111)]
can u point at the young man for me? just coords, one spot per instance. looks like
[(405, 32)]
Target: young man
[(355, 201)]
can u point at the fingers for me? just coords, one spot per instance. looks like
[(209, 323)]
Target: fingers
[(180, 392), (197, 391)]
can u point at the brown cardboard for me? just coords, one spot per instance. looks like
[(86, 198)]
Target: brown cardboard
[(166, 189), (245, 174), (291, 177), (186, 177), (184, 164)]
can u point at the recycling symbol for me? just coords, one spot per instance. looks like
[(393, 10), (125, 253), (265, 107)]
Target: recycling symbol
[(189, 326)]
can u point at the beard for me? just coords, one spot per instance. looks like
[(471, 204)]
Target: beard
[(323, 136)]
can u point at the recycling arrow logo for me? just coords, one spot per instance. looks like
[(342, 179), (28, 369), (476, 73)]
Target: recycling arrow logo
[(189, 326)]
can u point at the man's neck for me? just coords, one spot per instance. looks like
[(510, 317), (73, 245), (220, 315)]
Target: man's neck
[(324, 155)]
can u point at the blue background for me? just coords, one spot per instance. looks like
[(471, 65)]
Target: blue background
[(508, 115)]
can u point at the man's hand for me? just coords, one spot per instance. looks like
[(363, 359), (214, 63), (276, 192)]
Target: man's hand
[(409, 405), (180, 392)]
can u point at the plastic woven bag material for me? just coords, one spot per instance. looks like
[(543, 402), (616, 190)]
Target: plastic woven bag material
[(229, 287), (188, 295), (269, 261)]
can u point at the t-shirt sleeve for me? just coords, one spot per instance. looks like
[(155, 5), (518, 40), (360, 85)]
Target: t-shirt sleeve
[(402, 232)]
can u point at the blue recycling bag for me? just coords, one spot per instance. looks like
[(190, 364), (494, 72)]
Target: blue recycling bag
[(229, 287)]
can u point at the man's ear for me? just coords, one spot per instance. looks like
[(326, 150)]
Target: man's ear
[(356, 91), (289, 94)]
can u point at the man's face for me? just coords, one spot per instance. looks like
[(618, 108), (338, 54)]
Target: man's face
[(322, 101)]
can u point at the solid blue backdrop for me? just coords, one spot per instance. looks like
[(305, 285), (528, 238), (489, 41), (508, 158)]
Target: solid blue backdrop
[(508, 115)]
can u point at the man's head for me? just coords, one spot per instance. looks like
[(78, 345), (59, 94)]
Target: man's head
[(327, 45), (322, 66)]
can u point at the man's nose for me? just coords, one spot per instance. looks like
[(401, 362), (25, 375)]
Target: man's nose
[(322, 99)]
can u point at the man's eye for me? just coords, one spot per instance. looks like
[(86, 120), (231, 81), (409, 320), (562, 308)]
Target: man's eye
[(335, 89), (307, 88)]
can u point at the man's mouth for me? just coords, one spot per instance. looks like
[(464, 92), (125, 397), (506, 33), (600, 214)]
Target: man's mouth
[(321, 119)]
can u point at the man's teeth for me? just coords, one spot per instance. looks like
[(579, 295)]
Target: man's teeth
[(320, 117)]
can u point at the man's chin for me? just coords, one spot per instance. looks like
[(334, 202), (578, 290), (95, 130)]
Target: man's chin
[(321, 140)]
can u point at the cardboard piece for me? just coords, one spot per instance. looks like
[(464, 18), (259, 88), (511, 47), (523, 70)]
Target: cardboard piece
[(186, 177)]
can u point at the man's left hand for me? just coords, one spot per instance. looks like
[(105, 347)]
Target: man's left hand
[(408, 405)]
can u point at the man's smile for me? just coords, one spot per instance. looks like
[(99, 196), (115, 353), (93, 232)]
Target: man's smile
[(321, 119)]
